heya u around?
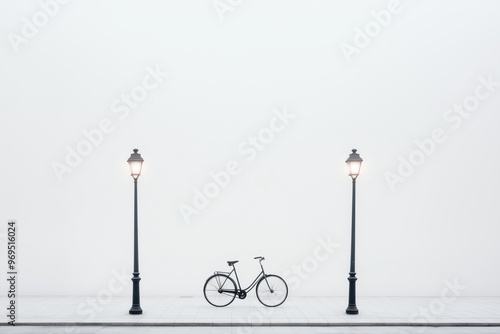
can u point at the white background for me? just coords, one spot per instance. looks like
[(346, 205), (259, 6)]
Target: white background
[(226, 76)]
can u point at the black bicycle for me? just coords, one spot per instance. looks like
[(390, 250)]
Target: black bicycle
[(220, 289)]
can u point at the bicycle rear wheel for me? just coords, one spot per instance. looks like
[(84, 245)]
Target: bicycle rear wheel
[(219, 290), (272, 290)]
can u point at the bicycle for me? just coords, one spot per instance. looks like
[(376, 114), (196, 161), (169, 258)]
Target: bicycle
[(220, 289)]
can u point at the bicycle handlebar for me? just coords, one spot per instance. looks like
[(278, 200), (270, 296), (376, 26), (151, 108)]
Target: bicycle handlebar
[(259, 257)]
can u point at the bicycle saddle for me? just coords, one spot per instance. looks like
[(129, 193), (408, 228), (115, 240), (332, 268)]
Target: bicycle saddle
[(230, 263)]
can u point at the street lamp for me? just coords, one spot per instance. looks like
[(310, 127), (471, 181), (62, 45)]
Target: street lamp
[(354, 164), (135, 162)]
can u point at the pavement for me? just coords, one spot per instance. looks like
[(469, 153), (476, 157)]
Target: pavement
[(399, 315)]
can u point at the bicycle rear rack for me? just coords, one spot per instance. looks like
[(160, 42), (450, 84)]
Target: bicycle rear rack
[(221, 272)]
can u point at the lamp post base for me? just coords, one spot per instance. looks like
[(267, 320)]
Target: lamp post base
[(351, 306), (135, 309), (136, 301), (352, 309)]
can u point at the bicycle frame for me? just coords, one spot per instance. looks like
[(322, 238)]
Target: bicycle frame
[(251, 286)]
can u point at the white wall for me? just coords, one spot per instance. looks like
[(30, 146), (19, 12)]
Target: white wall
[(228, 75)]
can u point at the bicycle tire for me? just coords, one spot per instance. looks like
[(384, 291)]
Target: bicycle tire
[(271, 290), (212, 287)]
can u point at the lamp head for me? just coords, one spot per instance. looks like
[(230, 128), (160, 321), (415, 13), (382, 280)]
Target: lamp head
[(354, 164), (135, 162)]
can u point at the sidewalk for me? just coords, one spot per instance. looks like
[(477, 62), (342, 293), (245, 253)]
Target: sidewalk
[(296, 311)]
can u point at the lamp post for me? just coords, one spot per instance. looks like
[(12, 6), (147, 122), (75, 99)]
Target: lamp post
[(354, 164), (135, 162)]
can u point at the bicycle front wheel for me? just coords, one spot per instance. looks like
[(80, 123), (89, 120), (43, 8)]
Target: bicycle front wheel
[(219, 290), (272, 290)]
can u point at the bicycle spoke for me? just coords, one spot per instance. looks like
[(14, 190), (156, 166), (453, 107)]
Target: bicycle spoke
[(217, 279), (214, 286)]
